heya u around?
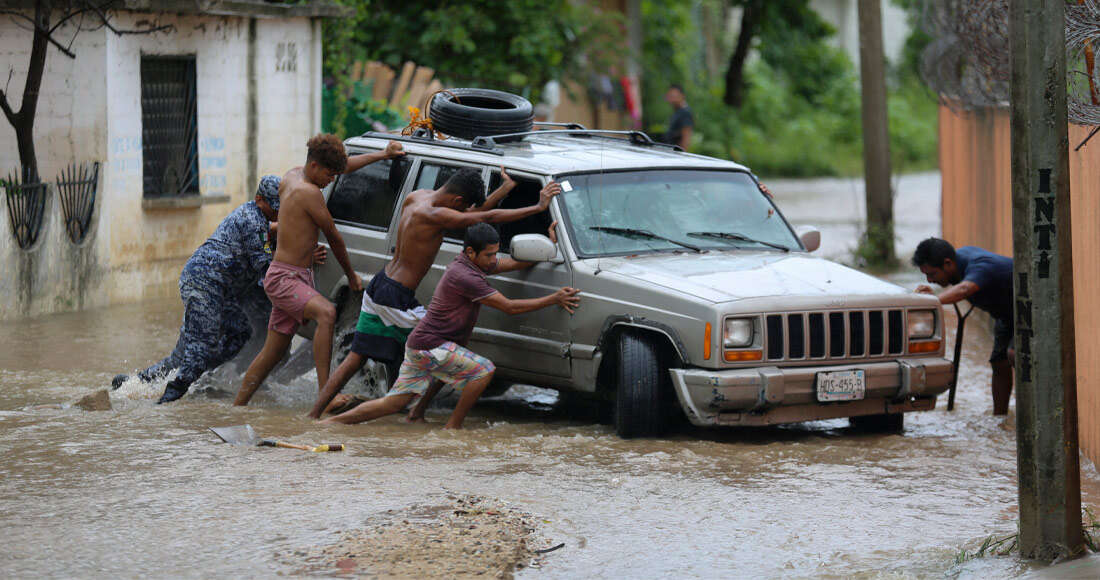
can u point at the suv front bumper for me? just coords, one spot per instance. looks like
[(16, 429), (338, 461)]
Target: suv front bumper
[(773, 395)]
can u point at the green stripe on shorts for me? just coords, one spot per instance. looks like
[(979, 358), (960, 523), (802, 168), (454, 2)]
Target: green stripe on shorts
[(371, 324)]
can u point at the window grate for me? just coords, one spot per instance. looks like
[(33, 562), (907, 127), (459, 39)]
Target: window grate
[(76, 189), (26, 197), (169, 126)]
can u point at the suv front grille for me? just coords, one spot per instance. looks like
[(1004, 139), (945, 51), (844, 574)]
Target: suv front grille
[(834, 334)]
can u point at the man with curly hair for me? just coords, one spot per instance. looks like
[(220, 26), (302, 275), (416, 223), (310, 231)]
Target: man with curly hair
[(289, 280)]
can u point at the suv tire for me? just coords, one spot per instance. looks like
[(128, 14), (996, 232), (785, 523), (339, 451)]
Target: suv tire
[(885, 423), (469, 113), (642, 381)]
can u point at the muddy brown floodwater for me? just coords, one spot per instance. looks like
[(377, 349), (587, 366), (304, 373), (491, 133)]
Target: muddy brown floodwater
[(145, 490)]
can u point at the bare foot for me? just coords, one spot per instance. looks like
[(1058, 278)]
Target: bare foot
[(411, 419), (337, 401)]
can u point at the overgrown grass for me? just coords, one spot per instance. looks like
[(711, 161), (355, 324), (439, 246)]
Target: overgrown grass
[(1008, 545)]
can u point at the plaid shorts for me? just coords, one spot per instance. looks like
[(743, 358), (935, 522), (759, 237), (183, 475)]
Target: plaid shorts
[(454, 365)]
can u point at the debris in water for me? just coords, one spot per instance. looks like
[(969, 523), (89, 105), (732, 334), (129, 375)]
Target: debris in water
[(97, 401), (473, 536), (548, 550)]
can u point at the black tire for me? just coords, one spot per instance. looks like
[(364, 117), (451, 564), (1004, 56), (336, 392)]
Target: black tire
[(885, 423), (643, 385), (469, 113)]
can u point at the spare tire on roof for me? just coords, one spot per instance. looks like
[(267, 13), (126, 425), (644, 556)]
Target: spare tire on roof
[(469, 113)]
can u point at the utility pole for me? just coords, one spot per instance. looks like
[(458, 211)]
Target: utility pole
[(1046, 377), (876, 135)]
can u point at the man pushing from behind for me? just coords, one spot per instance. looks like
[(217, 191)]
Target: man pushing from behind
[(390, 309), (289, 280)]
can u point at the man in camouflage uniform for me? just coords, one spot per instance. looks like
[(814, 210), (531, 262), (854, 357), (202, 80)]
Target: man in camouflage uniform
[(218, 285)]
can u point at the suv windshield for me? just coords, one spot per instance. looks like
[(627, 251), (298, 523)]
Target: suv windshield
[(708, 209)]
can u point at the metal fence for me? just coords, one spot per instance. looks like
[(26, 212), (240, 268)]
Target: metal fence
[(76, 190), (26, 197)]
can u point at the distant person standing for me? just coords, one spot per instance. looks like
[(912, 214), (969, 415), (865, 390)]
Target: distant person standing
[(984, 279), (682, 122)]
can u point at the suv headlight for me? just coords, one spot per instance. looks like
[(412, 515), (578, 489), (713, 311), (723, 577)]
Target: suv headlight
[(922, 324), (738, 332)]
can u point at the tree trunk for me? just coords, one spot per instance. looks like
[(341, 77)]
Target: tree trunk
[(876, 136), (735, 77), (23, 120)]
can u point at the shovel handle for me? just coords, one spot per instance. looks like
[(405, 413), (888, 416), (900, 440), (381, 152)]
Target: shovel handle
[(961, 327), (273, 443)]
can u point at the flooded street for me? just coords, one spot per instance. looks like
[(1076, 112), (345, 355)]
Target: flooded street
[(147, 490)]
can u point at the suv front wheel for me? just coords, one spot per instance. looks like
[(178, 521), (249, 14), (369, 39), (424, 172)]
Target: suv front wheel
[(642, 383)]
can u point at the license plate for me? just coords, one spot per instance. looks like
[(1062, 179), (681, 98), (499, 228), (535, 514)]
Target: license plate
[(841, 386)]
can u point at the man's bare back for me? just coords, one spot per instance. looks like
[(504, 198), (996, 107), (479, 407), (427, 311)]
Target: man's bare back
[(298, 200), (418, 241), (425, 217)]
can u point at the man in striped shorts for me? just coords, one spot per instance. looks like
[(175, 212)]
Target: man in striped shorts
[(436, 349), (390, 309)]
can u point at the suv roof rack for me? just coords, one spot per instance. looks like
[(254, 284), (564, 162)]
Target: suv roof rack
[(423, 137), (574, 126), (635, 137)]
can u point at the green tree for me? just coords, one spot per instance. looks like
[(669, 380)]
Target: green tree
[(516, 46)]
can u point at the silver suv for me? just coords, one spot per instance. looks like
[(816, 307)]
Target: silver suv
[(698, 298)]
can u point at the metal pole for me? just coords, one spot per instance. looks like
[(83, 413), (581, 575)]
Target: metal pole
[(876, 136), (1046, 396), (960, 328)]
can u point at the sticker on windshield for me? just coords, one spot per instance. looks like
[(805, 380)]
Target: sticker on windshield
[(566, 187)]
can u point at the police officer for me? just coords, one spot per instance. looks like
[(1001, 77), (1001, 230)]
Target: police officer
[(218, 285)]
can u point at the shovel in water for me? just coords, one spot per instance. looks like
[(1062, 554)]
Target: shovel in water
[(244, 435)]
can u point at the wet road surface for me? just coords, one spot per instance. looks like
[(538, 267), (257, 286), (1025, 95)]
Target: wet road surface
[(146, 490)]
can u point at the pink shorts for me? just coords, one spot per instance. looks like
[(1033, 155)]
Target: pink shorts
[(289, 288)]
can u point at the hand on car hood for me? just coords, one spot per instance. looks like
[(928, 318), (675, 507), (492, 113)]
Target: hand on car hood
[(725, 276)]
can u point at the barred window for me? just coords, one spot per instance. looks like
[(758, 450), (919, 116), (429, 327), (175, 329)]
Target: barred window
[(169, 126)]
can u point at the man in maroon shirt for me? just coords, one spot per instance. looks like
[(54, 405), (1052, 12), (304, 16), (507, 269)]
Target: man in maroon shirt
[(437, 346)]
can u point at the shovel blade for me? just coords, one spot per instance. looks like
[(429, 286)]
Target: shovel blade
[(236, 434)]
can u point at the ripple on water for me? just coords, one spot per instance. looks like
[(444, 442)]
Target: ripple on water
[(147, 490)]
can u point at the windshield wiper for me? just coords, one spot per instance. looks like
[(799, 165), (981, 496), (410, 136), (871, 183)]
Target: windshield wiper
[(738, 237), (643, 234)]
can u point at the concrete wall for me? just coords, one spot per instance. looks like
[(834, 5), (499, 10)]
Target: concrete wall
[(90, 109), (975, 159)]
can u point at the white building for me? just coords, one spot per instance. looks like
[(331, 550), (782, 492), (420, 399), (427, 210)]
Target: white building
[(183, 123), (844, 16)]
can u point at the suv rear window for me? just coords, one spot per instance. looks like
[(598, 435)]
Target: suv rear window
[(368, 196)]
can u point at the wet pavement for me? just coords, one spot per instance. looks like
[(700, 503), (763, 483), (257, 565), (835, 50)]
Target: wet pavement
[(146, 490)]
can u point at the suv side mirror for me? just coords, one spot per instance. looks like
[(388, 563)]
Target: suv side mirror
[(810, 236), (534, 248)]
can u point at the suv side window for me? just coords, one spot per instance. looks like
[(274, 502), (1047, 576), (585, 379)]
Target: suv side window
[(433, 176), (526, 193), (368, 196)]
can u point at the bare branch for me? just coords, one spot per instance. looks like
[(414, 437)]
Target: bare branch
[(107, 22), (37, 28), (61, 21), (4, 106)]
